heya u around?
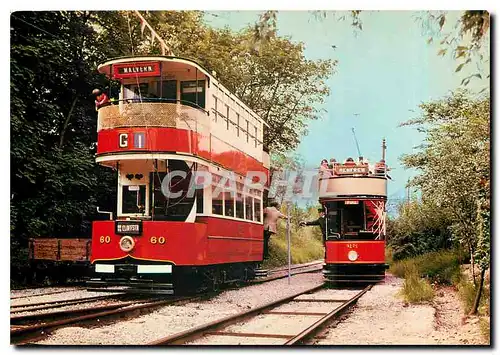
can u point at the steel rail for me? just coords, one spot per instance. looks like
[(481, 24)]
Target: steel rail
[(307, 333), (20, 333), (14, 320), (44, 294), (61, 303), (217, 327), (197, 332)]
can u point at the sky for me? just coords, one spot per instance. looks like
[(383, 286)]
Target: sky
[(384, 72)]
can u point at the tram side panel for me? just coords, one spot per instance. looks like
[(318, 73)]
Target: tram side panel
[(212, 241)]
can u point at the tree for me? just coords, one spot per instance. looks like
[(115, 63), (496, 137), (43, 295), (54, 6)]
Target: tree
[(454, 165), (54, 185)]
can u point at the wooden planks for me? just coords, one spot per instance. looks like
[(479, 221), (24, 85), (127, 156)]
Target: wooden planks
[(58, 249)]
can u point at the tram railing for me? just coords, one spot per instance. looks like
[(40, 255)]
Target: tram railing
[(153, 112)]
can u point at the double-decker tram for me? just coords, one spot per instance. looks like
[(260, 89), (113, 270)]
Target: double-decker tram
[(191, 171), (354, 197)]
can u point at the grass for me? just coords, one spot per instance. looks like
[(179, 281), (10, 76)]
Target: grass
[(306, 245), (442, 267), (484, 326), (416, 289), (467, 293)]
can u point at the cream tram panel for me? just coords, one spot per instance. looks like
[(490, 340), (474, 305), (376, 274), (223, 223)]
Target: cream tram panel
[(342, 186)]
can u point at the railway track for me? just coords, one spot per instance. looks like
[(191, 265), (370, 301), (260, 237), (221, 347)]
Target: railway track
[(46, 293), (29, 328), (26, 328), (299, 326), (39, 306)]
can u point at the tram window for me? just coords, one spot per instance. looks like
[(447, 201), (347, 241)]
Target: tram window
[(136, 92), (239, 206), (248, 130), (248, 207), (229, 203), (216, 200), (255, 136), (256, 207), (199, 200), (192, 94), (237, 124), (133, 199), (215, 106), (167, 90), (353, 218), (227, 117)]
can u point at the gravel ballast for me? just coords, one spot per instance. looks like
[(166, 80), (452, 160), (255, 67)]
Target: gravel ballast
[(169, 320)]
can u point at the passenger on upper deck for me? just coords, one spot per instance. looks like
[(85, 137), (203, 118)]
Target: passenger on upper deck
[(380, 167), (101, 98), (349, 161), (333, 165), (324, 170)]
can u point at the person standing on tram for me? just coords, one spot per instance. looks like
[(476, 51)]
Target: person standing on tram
[(320, 221), (271, 216), (101, 98)]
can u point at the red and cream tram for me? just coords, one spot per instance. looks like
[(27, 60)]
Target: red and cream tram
[(191, 171), (354, 198)]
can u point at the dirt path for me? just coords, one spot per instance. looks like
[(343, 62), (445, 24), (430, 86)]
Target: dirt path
[(381, 317)]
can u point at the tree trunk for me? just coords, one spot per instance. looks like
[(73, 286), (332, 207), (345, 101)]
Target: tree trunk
[(475, 306), (66, 122), (472, 265)]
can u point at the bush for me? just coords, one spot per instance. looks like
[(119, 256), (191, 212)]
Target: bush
[(415, 289), (442, 267)]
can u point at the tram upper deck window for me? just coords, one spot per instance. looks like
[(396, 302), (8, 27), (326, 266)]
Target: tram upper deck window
[(137, 92), (134, 199), (167, 90), (193, 93)]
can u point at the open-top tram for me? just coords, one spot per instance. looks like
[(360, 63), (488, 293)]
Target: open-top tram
[(191, 171), (354, 199)]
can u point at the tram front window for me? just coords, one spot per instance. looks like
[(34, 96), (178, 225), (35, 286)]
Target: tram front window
[(134, 199), (353, 217)]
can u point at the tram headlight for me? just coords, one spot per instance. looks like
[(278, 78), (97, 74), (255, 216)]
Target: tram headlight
[(352, 255), (127, 243)]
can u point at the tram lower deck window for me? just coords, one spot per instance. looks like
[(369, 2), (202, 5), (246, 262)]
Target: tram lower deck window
[(133, 199)]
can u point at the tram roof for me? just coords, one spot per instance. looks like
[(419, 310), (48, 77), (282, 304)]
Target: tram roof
[(106, 68)]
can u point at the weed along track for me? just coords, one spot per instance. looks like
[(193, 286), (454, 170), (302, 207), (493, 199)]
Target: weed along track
[(288, 321)]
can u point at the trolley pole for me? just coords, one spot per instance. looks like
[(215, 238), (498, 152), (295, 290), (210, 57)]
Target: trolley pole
[(288, 237)]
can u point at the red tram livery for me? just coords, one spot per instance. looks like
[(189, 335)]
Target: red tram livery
[(173, 127), (354, 198)]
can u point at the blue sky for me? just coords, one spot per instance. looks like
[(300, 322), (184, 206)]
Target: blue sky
[(384, 71)]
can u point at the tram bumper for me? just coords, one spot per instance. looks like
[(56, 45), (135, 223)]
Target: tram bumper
[(354, 273), (132, 278)]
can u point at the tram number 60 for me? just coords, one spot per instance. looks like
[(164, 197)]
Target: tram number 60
[(157, 240), (105, 239)]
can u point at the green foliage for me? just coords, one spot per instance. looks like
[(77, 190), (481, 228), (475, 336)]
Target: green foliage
[(415, 289), (419, 228), (454, 165), (441, 267)]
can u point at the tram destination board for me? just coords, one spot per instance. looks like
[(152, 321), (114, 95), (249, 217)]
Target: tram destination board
[(349, 170), (128, 227)]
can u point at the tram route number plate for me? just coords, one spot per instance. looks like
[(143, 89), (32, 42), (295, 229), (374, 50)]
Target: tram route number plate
[(128, 227)]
